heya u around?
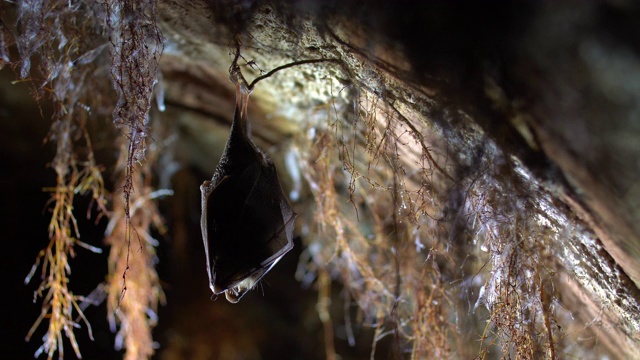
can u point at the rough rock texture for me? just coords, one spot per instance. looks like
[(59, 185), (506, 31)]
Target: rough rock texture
[(544, 93), (466, 177)]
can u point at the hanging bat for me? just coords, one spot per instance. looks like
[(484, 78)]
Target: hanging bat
[(247, 221)]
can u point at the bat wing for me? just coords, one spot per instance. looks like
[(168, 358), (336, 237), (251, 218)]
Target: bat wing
[(247, 228)]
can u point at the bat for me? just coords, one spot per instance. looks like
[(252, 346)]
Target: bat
[(247, 221)]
